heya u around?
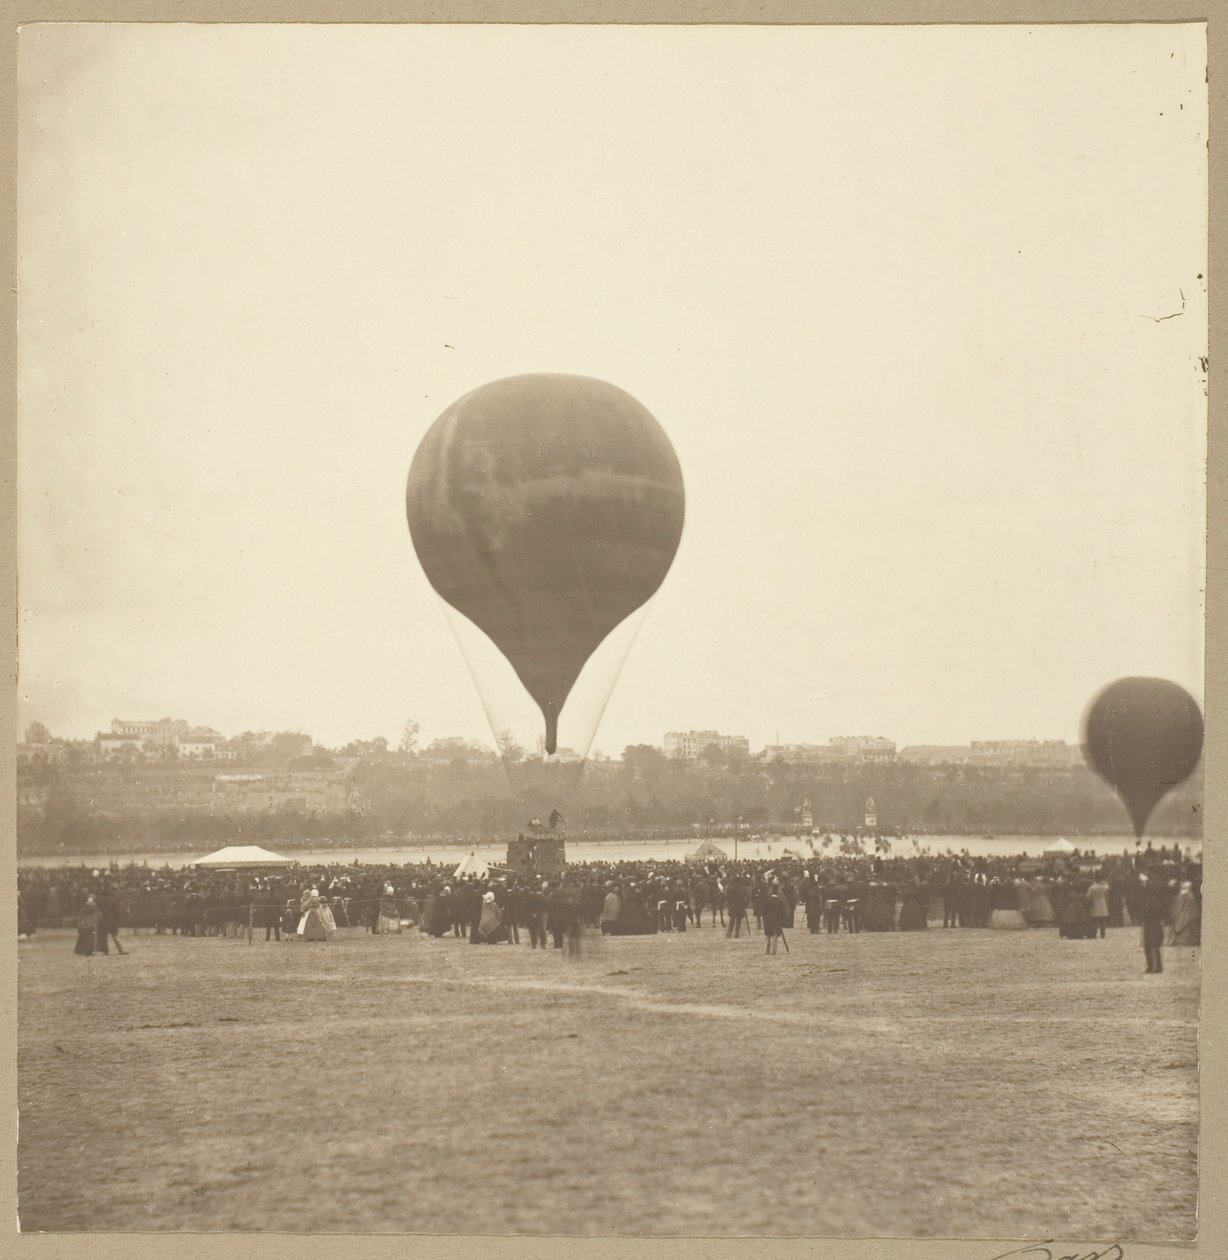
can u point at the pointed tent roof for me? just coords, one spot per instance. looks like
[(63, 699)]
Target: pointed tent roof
[(708, 850), (236, 855), (1060, 845), (472, 865)]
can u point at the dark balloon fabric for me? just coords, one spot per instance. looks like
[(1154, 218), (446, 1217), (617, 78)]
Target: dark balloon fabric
[(1143, 736), (546, 509)]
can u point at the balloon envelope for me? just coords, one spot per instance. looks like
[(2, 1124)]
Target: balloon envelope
[(1143, 736), (546, 509)]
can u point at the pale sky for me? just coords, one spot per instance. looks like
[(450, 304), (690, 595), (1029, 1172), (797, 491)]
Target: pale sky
[(895, 294)]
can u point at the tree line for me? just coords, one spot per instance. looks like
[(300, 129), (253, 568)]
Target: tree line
[(470, 795)]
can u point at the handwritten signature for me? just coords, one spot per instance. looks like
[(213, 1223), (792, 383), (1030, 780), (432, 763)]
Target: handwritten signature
[(1045, 1251)]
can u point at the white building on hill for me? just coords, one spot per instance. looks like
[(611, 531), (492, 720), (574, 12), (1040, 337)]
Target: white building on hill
[(691, 745)]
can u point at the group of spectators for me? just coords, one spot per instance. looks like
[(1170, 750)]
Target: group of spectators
[(849, 893)]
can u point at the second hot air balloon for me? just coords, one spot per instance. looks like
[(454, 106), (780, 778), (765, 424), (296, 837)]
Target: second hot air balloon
[(1143, 736)]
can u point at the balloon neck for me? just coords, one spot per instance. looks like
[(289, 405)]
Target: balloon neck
[(552, 732)]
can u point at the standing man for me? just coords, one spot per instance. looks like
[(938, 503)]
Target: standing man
[(814, 907), (951, 891), (737, 899), (833, 908), (775, 912), (512, 904), (1154, 912), (533, 907), (108, 921), (1098, 904), (556, 914)]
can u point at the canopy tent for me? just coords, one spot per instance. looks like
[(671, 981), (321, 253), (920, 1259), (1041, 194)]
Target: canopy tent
[(1061, 845), (472, 866), (708, 852), (238, 856)]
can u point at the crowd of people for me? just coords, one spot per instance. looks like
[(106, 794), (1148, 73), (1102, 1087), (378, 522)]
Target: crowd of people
[(1160, 889)]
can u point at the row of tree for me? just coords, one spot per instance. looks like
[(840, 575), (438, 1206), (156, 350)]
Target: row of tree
[(644, 792)]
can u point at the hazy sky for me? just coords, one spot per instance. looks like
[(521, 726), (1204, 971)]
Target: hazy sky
[(896, 295)]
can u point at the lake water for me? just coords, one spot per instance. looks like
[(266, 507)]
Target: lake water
[(636, 850)]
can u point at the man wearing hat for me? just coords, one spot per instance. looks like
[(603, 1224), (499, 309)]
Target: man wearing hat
[(1098, 904), (511, 902), (108, 921), (556, 914), (1154, 911), (533, 911)]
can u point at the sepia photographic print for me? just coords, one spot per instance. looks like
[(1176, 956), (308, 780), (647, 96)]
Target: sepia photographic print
[(611, 634)]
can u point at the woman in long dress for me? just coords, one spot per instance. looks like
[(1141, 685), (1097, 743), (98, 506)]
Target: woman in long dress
[(611, 911), (407, 907), (388, 918), (1004, 904), (1187, 918), (1076, 922), (316, 923), (87, 929), (490, 923), (437, 914), (914, 911), (1040, 909)]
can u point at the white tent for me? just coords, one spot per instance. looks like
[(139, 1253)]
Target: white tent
[(708, 851), (471, 866), (234, 856), (1061, 845)]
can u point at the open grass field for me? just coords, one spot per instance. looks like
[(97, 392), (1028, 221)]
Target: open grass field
[(958, 1083)]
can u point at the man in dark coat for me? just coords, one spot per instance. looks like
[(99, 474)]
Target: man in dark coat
[(814, 907), (556, 914), (108, 921), (267, 910), (952, 895), (1153, 905), (511, 902), (533, 910), (774, 915), (833, 908), (738, 899)]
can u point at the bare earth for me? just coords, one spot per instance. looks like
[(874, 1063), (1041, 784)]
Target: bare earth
[(958, 1083)]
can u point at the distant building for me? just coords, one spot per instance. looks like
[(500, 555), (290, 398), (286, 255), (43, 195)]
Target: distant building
[(1024, 752), (935, 754), (159, 732), (162, 737), (37, 749), (200, 743), (691, 745), (866, 748), (1038, 753), (301, 792), (799, 754), (111, 745)]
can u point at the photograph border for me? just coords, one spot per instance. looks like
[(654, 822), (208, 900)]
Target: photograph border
[(1213, 1056)]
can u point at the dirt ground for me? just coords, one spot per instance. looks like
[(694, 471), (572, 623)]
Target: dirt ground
[(952, 1083)]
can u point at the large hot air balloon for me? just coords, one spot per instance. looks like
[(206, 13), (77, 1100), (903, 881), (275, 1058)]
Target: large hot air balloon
[(1143, 736), (546, 509)]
